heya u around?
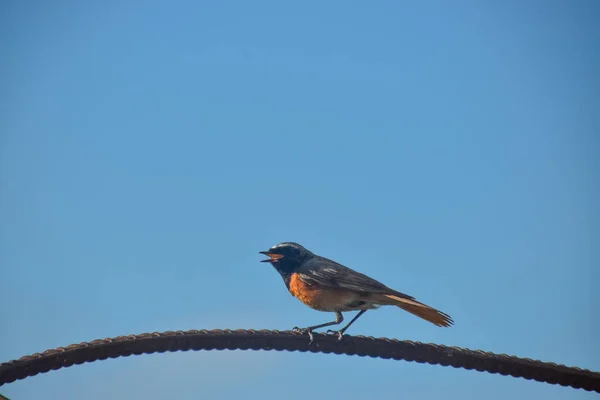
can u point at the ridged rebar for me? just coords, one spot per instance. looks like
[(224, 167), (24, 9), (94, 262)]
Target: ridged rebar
[(123, 346)]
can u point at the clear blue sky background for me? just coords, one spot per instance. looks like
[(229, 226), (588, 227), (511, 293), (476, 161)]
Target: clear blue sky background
[(148, 152)]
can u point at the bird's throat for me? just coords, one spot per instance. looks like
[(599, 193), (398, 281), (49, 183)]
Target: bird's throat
[(286, 275)]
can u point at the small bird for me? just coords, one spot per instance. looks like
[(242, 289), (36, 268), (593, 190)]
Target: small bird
[(326, 285)]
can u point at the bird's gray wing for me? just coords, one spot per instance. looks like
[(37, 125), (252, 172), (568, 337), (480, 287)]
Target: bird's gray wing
[(320, 271)]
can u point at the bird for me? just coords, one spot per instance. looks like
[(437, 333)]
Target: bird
[(325, 285)]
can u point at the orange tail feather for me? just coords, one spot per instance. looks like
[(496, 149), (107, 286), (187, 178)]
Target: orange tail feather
[(421, 310)]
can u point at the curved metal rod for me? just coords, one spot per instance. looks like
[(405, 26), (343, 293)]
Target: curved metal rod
[(123, 346)]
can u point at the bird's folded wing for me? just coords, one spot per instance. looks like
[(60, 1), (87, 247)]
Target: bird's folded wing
[(321, 271)]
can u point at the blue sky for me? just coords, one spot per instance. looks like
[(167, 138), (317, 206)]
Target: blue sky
[(147, 153)]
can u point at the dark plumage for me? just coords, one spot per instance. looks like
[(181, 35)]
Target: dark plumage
[(326, 285)]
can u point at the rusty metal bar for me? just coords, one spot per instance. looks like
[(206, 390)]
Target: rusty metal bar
[(123, 346)]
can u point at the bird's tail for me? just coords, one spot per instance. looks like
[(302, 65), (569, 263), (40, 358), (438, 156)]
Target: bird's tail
[(421, 310)]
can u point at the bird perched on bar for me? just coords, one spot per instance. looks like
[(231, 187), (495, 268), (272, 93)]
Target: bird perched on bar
[(325, 285)]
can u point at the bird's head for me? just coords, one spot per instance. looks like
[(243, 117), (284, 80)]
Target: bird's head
[(286, 256)]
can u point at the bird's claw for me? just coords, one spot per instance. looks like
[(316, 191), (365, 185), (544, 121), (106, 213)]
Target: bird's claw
[(339, 334), (305, 331)]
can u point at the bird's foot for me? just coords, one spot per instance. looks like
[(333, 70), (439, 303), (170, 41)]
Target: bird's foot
[(339, 334), (305, 331)]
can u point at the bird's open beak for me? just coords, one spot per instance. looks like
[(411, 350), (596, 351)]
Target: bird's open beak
[(272, 257)]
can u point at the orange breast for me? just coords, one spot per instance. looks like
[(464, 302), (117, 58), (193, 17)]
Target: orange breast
[(321, 299)]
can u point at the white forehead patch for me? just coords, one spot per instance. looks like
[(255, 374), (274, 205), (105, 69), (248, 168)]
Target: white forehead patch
[(287, 244)]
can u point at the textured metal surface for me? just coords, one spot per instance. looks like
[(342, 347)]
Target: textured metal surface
[(123, 346)]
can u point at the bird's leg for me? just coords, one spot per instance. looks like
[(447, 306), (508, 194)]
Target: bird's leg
[(340, 333), (339, 318)]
